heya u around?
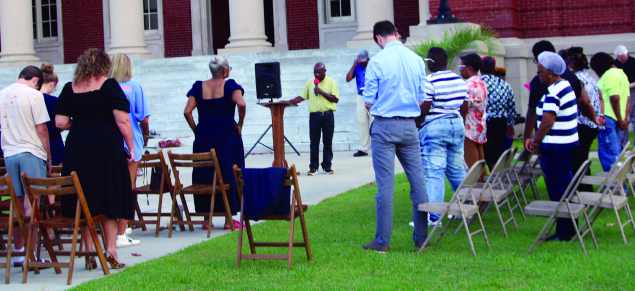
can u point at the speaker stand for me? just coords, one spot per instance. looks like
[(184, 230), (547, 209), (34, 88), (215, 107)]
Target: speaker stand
[(264, 145)]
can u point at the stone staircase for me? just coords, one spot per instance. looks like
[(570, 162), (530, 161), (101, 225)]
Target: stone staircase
[(167, 81)]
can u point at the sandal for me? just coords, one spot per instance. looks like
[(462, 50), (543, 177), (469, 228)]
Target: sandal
[(236, 225), (205, 226)]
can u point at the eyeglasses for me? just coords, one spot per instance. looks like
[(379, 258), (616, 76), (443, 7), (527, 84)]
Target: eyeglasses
[(428, 60), (230, 69), (462, 66), (535, 61), (539, 72)]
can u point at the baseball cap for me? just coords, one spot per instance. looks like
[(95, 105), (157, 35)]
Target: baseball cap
[(363, 55)]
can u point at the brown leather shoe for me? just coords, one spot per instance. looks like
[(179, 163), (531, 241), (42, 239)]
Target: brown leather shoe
[(375, 246), (420, 246)]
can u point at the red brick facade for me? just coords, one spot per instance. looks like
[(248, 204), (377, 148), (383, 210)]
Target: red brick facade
[(303, 28), (177, 28), (84, 27), (84, 23), (542, 18), (406, 15)]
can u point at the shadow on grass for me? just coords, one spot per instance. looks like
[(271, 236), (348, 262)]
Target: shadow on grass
[(339, 226)]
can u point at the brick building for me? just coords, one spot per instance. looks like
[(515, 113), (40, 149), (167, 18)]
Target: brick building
[(63, 29)]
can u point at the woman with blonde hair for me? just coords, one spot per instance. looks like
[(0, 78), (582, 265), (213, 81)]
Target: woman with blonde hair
[(94, 110), (121, 70), (49, 85)]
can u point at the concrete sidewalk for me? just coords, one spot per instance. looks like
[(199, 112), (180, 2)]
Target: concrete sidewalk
[(350, 172)]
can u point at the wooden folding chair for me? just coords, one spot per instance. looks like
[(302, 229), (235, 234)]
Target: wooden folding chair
[(529, 169), (297, 209), (196, 161), (609, 197), (495, 192), (64, 186), (600, 178), (149, 162), (565, 208), (457, 207), (15, 219)]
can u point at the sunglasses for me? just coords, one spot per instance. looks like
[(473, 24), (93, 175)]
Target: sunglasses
[(428, 60)]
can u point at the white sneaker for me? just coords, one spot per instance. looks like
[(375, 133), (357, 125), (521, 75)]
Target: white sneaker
[(128, 231), (125, 241), (433, 223)]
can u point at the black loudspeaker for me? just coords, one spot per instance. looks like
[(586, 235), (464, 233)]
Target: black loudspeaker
[(268, 80)]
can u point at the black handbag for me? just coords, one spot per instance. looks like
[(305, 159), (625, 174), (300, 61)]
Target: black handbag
[(155, 179)]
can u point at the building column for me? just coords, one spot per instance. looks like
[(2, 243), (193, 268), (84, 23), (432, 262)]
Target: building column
[(368, 13), (424, 12), (16, 28), (126, 30), (247, 28)]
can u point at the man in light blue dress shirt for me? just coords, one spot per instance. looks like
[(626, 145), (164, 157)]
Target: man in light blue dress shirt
[(395, 81)]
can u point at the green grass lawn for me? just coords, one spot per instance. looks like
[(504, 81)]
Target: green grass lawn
[(339, 226)]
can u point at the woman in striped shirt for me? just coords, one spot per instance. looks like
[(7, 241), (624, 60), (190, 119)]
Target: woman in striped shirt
[(557, 134)]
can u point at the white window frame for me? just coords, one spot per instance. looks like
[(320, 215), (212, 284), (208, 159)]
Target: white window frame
[(330, 19), (38, 20), (159, 19)]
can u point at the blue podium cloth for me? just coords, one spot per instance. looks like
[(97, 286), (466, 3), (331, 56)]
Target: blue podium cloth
[(265, 193)]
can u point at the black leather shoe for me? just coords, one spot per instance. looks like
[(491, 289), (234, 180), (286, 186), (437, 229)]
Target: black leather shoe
[(360, 154)]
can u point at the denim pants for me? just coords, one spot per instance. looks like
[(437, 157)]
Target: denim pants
[(441, 143), (609, 146), (397, 137), (556, 164)]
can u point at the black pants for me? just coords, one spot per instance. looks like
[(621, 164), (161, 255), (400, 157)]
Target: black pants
[(496, 134), (321, 124), (581, 153)]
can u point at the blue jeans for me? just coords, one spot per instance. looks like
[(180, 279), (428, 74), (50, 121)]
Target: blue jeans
[(397, 137), (441, 143), (556, 164), (609, 146)]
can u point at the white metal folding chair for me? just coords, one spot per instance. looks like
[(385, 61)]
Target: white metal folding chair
[(564, 208), (458, 207)]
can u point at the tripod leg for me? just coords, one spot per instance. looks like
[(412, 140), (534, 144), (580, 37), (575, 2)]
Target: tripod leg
[(257, 142), (296, 151)]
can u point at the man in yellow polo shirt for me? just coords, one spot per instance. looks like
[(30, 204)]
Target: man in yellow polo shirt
[(322, 94)]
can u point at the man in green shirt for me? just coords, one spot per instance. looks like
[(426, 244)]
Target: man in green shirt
[(322, 94)]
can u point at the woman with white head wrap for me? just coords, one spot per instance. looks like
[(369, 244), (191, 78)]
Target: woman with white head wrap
[(557, 134)]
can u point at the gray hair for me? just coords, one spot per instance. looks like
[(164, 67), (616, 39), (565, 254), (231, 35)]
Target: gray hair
[(552, 61), (217, 65), (621, 50)]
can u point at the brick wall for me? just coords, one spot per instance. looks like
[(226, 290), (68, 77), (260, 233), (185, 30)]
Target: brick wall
[(83, 27), (220, 24), (177, 28), (303, 24), (541, 18), (501, 15), (406, 15)]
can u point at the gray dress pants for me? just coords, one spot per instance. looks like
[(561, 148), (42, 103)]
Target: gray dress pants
[(397, 137)]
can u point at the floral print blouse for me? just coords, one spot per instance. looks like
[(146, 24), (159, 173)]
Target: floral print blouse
[(591, 88), (476, 121), (500, 99)]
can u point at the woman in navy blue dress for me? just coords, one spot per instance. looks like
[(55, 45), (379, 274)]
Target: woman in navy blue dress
[(216, 100), (55, 137)]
